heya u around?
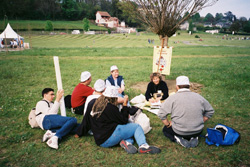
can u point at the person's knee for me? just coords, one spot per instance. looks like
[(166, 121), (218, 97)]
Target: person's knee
[(73, 120)]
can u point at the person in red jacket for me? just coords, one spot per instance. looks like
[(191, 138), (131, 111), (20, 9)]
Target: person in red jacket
[(81, 92)]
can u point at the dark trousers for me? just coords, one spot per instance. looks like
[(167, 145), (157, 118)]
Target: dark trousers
[(169, 133), (79, 110)]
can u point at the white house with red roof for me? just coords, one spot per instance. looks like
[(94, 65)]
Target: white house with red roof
[(104, 18)]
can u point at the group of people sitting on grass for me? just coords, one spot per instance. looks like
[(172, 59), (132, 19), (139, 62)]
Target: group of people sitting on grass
[(106, 111)]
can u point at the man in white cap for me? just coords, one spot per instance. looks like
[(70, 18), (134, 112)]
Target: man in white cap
[(81, 92), (189, 111)]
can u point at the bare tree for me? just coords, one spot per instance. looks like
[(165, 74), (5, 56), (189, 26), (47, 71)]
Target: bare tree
[(165, 16)]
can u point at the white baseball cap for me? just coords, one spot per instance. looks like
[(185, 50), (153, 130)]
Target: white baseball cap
[(111, 91), (114, 67), (99, 85), (182, 80), (85, 76)]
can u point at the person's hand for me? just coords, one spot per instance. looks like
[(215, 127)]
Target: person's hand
[(151, 100), (120, 90), (59, 94), (125, 100)]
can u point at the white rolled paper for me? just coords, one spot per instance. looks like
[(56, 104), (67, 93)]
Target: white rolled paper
[(59, 84)]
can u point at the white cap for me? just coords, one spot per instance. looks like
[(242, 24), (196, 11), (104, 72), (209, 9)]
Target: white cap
[(182, 80), (99, 85), (111, 91), (114, 67), (85, 76)]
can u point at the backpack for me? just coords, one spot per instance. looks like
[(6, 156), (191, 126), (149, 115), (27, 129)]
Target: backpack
[(32, 117), (140, 118), (222, 135)]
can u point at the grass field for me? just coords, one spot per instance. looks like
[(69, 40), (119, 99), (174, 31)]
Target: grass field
[(222, 66)]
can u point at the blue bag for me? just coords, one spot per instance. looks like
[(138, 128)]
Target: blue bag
[(222, 135)]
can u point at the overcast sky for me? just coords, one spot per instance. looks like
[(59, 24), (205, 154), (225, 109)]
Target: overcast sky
[(240, 8)]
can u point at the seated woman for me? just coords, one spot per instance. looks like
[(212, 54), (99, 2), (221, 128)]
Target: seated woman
[(156, 86), (110, 127)]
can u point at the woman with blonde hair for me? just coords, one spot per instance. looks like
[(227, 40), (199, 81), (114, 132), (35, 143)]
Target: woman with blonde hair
[(157, 89)]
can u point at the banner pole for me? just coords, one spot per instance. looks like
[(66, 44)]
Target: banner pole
[(59, 84), (160, 55)]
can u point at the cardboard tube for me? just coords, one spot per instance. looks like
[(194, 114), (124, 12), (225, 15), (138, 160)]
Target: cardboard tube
[(59, 84)]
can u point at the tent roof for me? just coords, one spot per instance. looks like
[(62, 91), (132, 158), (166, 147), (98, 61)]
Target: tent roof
[(9, 33)]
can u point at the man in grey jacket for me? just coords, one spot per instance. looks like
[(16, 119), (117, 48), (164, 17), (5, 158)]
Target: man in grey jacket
[(189, 111)]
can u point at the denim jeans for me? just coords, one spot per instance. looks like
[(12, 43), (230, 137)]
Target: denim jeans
[(126, 132), (64, 125)]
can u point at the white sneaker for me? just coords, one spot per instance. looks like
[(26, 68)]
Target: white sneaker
[(53, 142), (48, 135)]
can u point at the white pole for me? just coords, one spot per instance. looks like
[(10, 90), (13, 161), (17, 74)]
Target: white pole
[(59, 84)]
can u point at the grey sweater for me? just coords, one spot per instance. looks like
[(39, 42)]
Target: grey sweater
[(187, 110)]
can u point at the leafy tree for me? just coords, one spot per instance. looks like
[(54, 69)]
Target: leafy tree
[(48, 26), (235, 26), (85, 24), (218, 16), (196, 17), (109, 31), (165, 16), (209, 18), (191, 26), (246, 28), (229, 16), (70, 10)]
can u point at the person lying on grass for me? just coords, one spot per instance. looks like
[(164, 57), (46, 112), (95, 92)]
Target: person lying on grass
[(110, 126), (47, 118), (189, 111)]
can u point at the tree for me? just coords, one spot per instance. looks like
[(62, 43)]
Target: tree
[(165, 16), (229, 16), (246, 28), (235, 26), (70, 10), (49, 26), (85, 24), (196, 17), (209, 18), (218, 16)]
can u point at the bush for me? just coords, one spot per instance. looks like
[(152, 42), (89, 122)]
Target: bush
[(196, 36), (109, 31), (49, 26)]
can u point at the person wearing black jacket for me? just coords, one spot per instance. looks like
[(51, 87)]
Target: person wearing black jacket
[(157, 85), (110, 126)]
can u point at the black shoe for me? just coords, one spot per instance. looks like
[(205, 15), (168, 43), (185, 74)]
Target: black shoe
[(183, 142), (145, 149), (193, 142), (131, 149)]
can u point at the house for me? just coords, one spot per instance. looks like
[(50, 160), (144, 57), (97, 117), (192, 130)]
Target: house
[(104, 18), (184, 26)]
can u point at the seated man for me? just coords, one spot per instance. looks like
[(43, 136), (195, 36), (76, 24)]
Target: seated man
[(81, 92), (189, 111), (47, 118)]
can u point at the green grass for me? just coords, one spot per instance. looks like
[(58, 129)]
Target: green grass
[(57, 25), (223, 69)]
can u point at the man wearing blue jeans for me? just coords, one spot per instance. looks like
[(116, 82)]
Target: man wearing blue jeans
[(47, 118)]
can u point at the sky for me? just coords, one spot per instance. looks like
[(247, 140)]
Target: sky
[(240, 8)]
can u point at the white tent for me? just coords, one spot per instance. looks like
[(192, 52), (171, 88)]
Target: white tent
[(10, 33)]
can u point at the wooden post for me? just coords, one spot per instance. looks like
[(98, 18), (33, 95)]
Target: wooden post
[(160, 54)]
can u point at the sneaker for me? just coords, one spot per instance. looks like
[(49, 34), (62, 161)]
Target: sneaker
[(146, 149), (48, 135), (183, 142), (53, 142), (193, 142), (130, 148)]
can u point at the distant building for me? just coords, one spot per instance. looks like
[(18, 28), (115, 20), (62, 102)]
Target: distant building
[(104, 18), (184, 26), (212, 31), (208, 25)]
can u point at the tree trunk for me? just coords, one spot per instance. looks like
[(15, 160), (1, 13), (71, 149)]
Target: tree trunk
[(164, 40)]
